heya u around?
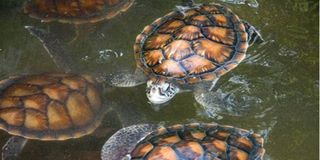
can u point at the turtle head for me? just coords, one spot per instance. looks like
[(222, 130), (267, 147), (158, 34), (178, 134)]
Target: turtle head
[(159, 92)]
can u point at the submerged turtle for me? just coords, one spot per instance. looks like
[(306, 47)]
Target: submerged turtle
[(76, 11), (50, 106), (208, 141), (188, 49)]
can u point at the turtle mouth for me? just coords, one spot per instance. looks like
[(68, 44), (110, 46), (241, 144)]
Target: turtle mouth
[(161, 93)]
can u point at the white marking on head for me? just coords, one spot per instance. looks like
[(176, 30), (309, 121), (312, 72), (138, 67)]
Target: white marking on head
[(160, 92)]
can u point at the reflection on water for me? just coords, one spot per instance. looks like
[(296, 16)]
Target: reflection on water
[(274, 91)]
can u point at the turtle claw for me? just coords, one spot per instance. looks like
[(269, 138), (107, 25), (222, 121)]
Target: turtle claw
[(13, 148)]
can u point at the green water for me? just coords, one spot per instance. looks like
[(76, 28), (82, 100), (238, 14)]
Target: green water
[(277, 85)]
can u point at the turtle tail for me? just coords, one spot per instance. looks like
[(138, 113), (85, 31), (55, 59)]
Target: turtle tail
[(53, 47)]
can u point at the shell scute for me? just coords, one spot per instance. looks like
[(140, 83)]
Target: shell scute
[(171, 26), (74, 82), (157, 41), (197, 64), (217, 146), (57, 92), (221, 20), (213, 50), (13, 116), (79, 109), (154, 57), (238, 154), (169, 68), (199, 20), (58, 117), (219, 34), (19, 90), (37, 102), (142, 150), (35, 120), (178, 50), (9, 102), (189, 33), (163, 153), (190, 150)]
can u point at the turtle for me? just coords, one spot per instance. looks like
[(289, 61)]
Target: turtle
[(75, 11), (52, 106), (205, 141), (48, 107), (188, 49), (81, 13)]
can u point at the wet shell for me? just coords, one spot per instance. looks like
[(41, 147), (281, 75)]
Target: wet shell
[(200, 43), (50, 106), (200, 141), (76, 11)]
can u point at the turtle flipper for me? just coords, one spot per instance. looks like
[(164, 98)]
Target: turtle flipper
[(217, 102), (13, 148), (123, 142), (253, 34), (53, 47), (127, 79)]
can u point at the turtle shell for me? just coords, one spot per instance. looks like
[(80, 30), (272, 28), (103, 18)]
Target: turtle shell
[(200, 141), (199, 43), (76, 11), (50, 106)]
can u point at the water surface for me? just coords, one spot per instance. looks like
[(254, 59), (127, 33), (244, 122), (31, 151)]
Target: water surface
[(277, 86)]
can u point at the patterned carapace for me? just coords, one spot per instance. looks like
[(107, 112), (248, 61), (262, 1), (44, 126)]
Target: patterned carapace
[(200, 142), (76, 11), (50, 106), (192, 44)]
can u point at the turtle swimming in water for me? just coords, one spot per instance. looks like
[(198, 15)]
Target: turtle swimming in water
[(50, 106), (188, 50), (75, 11), (205, 141)]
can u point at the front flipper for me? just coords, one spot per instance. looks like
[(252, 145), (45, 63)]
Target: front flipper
[(217, 102), (13, 148), (253, 34), (123, 142), (54, 48), (127, 79)]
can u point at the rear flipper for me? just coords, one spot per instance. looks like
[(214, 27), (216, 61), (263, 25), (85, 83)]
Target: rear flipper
[(253, 34), (127, 79), (13, 148), (123, 142)]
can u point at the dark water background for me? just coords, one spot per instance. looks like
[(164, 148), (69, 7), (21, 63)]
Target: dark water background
[(278, 84)]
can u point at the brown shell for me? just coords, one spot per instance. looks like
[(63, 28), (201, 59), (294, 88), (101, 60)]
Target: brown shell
[(76, 11), (200, 141), (202, 43), (50, 106)]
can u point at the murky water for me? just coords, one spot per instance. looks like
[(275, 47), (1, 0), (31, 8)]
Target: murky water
[(277, 87)]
